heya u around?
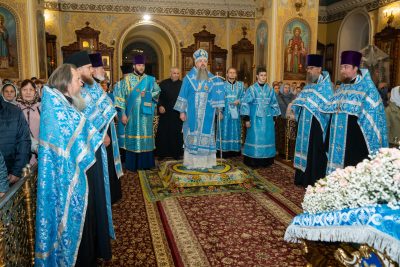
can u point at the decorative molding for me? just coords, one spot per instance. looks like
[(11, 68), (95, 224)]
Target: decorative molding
[(176, 8), (339, 10)]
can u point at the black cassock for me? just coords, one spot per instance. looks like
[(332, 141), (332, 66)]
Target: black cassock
[(95, 240), (316, 158), (169, 137), (115, 183)]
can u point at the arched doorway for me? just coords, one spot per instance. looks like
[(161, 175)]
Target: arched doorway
[(141, 47), (354, 33), (156, 41)]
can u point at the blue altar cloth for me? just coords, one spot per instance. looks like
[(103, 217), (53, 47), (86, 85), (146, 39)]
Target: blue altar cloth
[(377, 226)]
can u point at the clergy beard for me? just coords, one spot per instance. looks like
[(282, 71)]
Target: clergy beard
[(312, 78), (78, 102), (88, 80), (138, 73), (100, 78), (347, 80), (202, 74)]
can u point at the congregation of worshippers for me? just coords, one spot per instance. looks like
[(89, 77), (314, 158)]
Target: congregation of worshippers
[(85, 131)]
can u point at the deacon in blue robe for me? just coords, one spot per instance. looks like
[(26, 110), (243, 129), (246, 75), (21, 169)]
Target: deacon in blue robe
[(117, 92), (310, 158), (358, 122), (231, 124), (258, 108), (71, 185), (201, 93), (137, 101), (100, 109)]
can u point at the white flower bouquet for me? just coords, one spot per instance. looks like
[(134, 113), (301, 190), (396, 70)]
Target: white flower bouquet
[(371, 182)]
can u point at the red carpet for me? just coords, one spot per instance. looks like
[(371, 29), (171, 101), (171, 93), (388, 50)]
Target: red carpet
[(233, 229)]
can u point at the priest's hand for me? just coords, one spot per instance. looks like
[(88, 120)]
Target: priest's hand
[(220, 116), (237, 102), (182, 116), (247, 124), (12, 178), (107, 140), (124, 119), (161, 109)]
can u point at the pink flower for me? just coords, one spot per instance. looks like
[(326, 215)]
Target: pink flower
[(384, 150), (395, 153), (343, 182), (349, 169), (396, 178), (309, 189), (396, 163), (320, 189)]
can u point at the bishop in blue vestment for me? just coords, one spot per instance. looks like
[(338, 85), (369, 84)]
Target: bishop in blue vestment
[(258, 108), (358, 122), (136, 101), (231, 124), (310, 157), (201, 93)]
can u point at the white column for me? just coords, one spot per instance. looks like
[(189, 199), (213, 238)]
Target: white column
[(273, 45), (228, 44), (33, 57)]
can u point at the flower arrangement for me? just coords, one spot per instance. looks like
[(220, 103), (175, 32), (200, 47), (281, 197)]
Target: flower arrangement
[(371, 182)]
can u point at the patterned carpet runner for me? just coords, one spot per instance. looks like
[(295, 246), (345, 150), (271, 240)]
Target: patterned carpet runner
[(230, 229)]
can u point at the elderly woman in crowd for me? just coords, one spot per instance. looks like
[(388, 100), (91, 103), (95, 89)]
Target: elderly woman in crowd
[(284, 98), (393, 116), (9, 93), (28, 102)]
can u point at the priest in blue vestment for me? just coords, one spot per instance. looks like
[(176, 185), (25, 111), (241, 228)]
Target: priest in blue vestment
[(231, 124), (258, 108), (99, 104), (200, 95), (136, 100), (358, 122), (310, 158), (73, 214)]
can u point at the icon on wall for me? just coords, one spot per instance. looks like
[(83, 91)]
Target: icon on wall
[(296, 38)]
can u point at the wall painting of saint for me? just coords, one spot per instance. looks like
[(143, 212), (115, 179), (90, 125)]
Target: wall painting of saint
[(8, 45), (296, 37), (261, 44)]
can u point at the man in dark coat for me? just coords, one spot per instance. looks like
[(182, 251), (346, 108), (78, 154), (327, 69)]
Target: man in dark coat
[(15, 140), (169, 139)]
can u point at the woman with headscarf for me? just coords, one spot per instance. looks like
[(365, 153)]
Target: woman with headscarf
[(28, 102), (393, 116), (285, 97), (9, 93)]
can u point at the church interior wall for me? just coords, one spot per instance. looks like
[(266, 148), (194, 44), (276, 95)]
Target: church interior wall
[(113, 25), (228, 31), (27, 49), (328, 32)]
